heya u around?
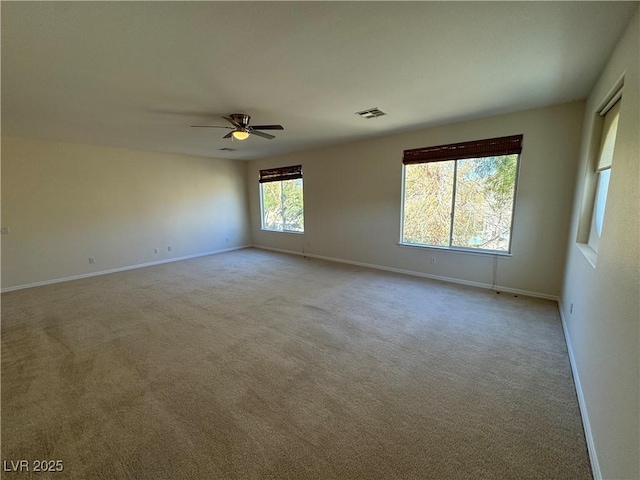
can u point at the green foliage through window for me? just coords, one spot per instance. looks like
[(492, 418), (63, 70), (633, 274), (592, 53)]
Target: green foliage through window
[(282, 206), (460, 203)]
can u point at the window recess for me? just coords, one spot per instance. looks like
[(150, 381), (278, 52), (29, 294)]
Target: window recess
[(610, 115), (461, 196), (281, 199)]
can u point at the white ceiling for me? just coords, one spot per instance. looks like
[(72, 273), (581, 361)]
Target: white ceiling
[(137, 74)]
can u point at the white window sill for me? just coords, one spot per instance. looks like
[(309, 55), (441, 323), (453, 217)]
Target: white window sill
[(282, 231), (590, 254), (466, 251)]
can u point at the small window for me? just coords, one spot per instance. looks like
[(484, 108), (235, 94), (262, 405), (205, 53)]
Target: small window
[(281, 199), (461, 196), (603, 171)]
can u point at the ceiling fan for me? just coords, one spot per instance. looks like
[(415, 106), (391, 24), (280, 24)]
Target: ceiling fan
[(241, 128)]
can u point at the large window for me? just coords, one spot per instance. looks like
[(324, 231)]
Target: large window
[(603, 170), (461, 196), (281, 199)]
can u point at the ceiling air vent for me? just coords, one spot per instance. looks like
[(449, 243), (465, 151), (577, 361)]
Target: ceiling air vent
[(226, 149), (371, 113)]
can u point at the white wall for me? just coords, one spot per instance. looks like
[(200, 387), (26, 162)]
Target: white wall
[(66, 202), (353, 193), (603, 330)]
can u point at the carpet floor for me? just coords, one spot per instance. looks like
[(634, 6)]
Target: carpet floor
[(259, 365)]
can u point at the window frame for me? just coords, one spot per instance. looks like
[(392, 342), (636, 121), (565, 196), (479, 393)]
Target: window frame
[(279, 175), (477, 145), (595, 232), (585, 242)]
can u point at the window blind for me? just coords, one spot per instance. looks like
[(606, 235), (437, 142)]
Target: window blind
[(490, 147), (609, 132), (281, 173)]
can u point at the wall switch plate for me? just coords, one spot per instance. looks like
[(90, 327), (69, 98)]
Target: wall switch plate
[(169, 249), (156, 250), (5, 231)]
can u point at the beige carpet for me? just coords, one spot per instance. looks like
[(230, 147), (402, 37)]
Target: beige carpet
[(258, 365)]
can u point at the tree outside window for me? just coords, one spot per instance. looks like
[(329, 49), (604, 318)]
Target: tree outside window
[(283, 206), (465, 203), (281, 199)]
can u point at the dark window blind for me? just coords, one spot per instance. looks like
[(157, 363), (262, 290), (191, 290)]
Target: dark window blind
[(281, 173), (490, 147)]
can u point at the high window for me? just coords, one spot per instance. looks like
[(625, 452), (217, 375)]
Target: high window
[(610, 116), (461, 196), (281, 199)]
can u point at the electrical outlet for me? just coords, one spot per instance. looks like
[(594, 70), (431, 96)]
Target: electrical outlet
[(92, 260), (156, 250), (433, 261), (169, 249)]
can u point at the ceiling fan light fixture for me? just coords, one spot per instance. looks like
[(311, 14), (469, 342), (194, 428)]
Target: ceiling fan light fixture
[(240, 135), (241, 129)]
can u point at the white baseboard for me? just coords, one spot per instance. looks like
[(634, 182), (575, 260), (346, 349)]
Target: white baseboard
[(416, 274), (120, 269), (591, 447)]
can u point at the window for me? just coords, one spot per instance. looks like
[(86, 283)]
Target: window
[(461, 196), (281, 199), (603, 169)]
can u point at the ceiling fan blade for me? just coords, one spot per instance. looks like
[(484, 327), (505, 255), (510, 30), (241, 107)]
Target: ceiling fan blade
[(267, 127), (232, 122), (253, 131), (209, 126), (228, 135)]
